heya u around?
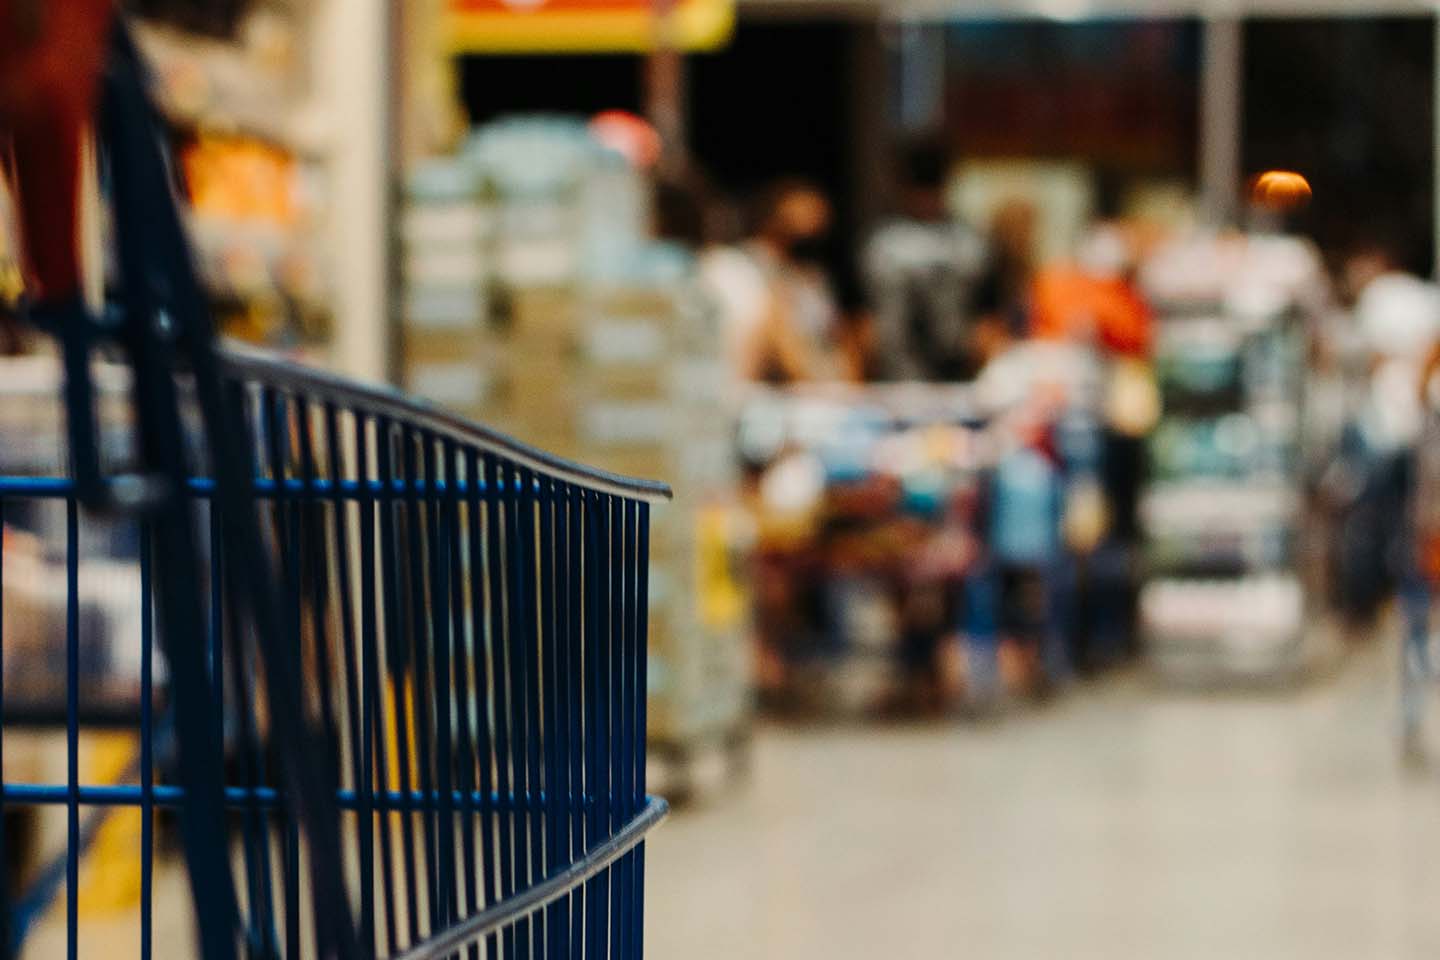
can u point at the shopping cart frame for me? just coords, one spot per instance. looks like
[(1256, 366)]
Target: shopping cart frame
[(251, 366), (304, 655), (324, 394)]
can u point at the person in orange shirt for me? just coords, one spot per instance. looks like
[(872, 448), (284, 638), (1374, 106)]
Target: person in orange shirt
[(1092, 304), (1093, 298)]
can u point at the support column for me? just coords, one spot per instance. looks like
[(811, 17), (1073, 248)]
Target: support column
[(1221, 121), (354, 67), (665, 90)]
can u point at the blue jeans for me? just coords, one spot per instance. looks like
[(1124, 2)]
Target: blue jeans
[(1392, 488), (1415, 668), (984, 594)]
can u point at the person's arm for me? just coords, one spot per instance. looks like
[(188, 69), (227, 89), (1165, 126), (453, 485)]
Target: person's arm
[(1428, 371), (774, 348), (855, 342)]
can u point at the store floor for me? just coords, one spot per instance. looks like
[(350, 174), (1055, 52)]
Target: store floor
[(1122, 821)]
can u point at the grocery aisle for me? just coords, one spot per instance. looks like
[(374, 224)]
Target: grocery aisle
[(1122, 822)]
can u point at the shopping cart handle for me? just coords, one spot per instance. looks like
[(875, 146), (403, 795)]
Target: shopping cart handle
[(76, 330)]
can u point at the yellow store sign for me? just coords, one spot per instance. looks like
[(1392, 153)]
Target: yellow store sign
[(586, 26)]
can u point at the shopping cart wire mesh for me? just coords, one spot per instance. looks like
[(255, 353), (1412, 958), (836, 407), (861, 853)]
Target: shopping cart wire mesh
[(392, 667), (471, 617)]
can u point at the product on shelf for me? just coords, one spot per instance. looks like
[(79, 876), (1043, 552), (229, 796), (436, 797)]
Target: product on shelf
[(235, 84), (252, 80)]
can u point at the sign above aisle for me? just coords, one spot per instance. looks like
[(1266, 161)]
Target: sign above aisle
[(586, 26)]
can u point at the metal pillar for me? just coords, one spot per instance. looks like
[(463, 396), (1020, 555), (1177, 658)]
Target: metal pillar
[(665, 89), (1221, 122), (355, 77)]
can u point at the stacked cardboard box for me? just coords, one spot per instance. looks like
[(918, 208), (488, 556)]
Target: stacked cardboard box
[(629, 379), (537, 305), (449, 344), (649, 388)]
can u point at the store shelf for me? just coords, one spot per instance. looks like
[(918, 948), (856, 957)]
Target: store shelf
[(219, 87), (1223, 517), (1217, 506)]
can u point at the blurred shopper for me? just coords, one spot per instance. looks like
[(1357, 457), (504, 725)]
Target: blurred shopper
[(1094, 297), (1024, 585), (1004, 292), (922, 269), (1399, 320), (778, 311), (1094, 302), (1424, 517), (1020, 587), (1426, 508)]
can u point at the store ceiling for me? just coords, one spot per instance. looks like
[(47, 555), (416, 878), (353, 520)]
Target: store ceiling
[(1066, 10)]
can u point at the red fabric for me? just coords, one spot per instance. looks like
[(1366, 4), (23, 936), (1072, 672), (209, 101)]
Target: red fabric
[(51, 54), (1064, 302)]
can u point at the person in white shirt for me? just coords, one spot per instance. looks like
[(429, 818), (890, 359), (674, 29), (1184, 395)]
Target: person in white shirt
[(778, 314), (1399, 320), (1398, 316)]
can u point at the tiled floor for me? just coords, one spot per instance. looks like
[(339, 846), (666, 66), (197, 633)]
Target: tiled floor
[(1121, 822)]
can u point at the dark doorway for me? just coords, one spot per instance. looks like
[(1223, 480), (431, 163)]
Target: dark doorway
[(777, 103), (493, 86)]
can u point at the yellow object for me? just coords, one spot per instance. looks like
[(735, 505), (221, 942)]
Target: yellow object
[(720, 597), (392, 737), (1132, 400), (12, 284), (1086, 518), (575, 26), (241, 179), (110, 874)]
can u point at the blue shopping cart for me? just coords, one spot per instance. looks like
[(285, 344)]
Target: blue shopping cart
[(391, 685)]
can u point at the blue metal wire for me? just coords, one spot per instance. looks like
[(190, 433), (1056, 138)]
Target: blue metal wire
[(497, 680), (557, 918), (147, 747), (484, 597), (417, 664), (6, 940), (534, 927), (396, 659), (375, 751), (513, 648), (72, 727), (464, 764), (470, 640)]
